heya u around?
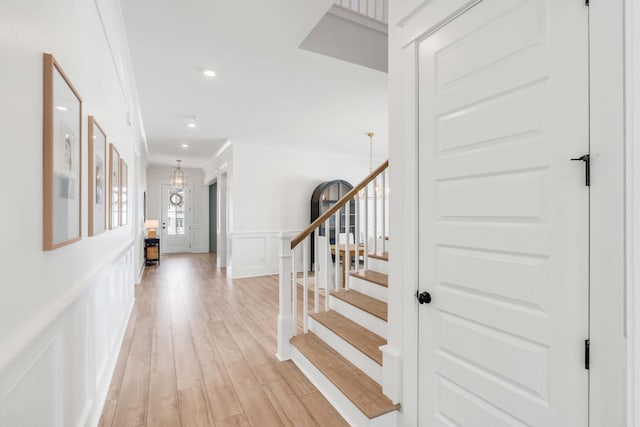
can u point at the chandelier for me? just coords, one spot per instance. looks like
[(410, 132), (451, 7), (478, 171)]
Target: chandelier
[(377, 187), (178, 177)]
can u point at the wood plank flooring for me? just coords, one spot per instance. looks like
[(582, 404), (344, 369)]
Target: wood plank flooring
[(199, 351)]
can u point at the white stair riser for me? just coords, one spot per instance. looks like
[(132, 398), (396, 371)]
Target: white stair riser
[(366, 287), (346, 350), (338, 400), (379, 265), (362, 318)]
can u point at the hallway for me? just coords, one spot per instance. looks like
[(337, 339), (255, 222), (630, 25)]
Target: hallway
[(199, 351)]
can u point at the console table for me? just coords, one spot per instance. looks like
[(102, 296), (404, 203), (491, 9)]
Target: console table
[(152, 251)]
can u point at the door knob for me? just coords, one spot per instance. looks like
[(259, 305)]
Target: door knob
[(423, 297)]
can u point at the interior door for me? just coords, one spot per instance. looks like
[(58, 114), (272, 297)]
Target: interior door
[(176, 226), (504, 216)]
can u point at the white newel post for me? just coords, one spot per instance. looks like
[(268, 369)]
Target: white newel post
[(285, 319)]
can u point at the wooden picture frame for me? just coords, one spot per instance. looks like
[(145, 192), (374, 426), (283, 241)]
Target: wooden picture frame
[(62, 158), (124, 192), (114, 187), (97, 178)]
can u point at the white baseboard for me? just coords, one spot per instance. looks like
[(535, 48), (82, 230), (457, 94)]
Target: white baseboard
[(255, 271), (255, 253)]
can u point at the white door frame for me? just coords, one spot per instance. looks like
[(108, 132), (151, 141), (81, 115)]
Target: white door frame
[(608, 374), (607, 401), (632, 85), (188, 218), (223, 220)]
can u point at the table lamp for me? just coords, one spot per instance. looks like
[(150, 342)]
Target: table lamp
[(151, 225)]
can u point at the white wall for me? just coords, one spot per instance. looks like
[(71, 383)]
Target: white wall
[(199, 233), (61, 312), (272, 194)]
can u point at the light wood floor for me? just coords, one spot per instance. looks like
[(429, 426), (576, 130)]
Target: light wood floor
[(199, 351)]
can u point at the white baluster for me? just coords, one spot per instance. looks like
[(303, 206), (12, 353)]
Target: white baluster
[(384, 211), (347, 255), (327, 257), (357, 231), (305, 288), (336, 245), (375, 216), (316, 268), (366, 226)]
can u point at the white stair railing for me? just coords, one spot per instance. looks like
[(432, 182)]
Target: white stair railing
[(338, 238), (375, 9)]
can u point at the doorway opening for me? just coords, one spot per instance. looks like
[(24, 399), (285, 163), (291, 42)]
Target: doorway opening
[(213, 216)]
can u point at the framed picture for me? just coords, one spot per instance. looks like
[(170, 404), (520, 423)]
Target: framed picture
[(97, 178), (114, 187), (124, 190), (62, 160)]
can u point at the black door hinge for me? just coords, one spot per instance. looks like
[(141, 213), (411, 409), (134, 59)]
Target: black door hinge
[(587, 168), (586, 354)]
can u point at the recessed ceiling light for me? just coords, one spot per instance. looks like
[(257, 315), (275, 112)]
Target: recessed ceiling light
[(61, 108), (184, 145), (191, 125), (209, 73)]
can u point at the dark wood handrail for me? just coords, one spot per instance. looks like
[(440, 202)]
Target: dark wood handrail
[(350, 195)]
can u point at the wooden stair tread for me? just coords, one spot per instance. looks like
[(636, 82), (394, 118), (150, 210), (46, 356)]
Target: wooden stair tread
[(364, 302), (361, 390), (384, 256), (359, 337), (373, 277)]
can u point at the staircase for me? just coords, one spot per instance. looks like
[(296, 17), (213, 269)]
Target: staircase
[(333, 328)]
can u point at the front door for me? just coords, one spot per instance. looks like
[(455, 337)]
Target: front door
[(176, 215), (504, 216)]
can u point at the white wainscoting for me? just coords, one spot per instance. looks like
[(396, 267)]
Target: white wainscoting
[(61, 375), (256, 254), (200, 238)]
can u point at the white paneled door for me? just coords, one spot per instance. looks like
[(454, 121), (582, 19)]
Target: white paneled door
[(504, 216), (176, 220)]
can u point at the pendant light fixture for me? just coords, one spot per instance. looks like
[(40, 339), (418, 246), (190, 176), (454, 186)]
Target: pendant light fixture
[(370, 134), (178, 177), (377, 187)]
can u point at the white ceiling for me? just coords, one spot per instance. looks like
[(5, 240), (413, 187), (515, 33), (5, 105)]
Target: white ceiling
[(267, 91)]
